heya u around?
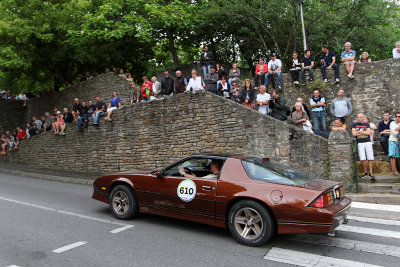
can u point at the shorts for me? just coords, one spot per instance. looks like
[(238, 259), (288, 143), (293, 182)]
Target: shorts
[(365, 151), (111, 109), (394, 149)]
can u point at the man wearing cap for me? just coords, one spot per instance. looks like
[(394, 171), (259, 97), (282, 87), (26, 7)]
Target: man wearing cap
[(274, 67), (211, 80), (167, 84)]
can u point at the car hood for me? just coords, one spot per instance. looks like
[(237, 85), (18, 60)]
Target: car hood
[(138, 171), (319, 185)]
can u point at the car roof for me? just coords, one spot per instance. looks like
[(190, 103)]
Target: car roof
[(223, 156)]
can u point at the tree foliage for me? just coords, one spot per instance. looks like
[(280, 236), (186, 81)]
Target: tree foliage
[(44, 43)]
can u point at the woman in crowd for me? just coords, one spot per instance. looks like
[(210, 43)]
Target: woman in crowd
[(156, 87), (234, 74), (339, 125), (364, 58), (224, 88), (235, 92), (247, 96), (147, 88), (115, 103), (135, 93), (22, 96), (129, 77), (300, 117), (296, 68), (59, 125), (195, 83)]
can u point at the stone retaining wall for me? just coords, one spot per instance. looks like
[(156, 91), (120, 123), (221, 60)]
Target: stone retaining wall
[(151, 134)]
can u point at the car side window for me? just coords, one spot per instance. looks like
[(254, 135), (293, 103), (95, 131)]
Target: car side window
[(198, 166)]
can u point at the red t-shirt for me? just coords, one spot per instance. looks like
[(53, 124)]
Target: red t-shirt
[(150, 85), (21, 134)]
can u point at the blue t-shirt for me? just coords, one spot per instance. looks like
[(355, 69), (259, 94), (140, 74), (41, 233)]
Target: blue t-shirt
[(114, 102), (360, 127), (312, 102), (100, 105), (346, 54), (328, 58)]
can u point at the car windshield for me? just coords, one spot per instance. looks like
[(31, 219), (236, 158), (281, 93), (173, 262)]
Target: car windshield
[(274, 172)]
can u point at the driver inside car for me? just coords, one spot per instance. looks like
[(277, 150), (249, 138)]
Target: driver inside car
[(215, 168)]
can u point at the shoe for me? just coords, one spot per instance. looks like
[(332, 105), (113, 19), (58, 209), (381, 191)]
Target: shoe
[(373, 180), (80, 129), (365, 176), (279, 86), (351, 76), (2, 153), (311, 80), (325, 80), (337, 80), (55, 133), (296, 82), (62, 134), (96, 124), (303, 84)]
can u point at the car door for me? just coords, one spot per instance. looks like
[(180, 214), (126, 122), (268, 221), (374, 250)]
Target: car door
[(188, 198)]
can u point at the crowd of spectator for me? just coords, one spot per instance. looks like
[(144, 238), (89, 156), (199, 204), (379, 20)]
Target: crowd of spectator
[(230, 86)]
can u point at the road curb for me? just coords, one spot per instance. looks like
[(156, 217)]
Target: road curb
[(48, 177)]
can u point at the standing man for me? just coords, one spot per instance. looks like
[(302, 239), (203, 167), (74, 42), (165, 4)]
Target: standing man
[(205, 60), (394, 152), (384, 131), (328, 62), (211, 80), (317, 103), (261, 70), (167, 85), (361, 131), (396, 50), (179, 84), (262, 100), (341, 107), (349, 59), (307, 64), (274, 67)]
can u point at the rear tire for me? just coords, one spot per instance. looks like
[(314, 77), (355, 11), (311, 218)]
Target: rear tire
[(250, 223), (123, 203)]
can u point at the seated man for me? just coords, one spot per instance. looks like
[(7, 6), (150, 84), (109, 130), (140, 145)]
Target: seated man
[(68, 118), (278, 105), (211, 80), (99, 112), (215, 168), (307, 64), (328, 62), (83, 116), (274, 68), (48, 121), (349, 59), (75, 108)]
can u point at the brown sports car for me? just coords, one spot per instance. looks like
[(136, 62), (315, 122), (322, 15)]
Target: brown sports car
[(253, 197)]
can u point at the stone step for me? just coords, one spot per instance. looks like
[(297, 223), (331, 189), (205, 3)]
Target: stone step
[(379, 188), (389, 199)]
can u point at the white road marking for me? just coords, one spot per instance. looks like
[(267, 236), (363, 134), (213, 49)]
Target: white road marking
[(348, 244), (372, 206), (368, 231), (63, 212), (307, 259), (374, 220), (121, 229), (68, 247), (12, 266)]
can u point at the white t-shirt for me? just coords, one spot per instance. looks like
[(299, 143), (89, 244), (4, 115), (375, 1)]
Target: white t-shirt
[(396, 53), (262, 98), (195, 84), (273, 65), (393, 133)]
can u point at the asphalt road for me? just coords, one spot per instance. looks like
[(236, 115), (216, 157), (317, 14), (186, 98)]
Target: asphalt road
[(48, 223)]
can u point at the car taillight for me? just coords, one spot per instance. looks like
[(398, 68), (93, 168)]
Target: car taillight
[(324, 200)]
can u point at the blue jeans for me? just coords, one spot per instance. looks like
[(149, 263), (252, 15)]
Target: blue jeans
[(303, 74), (206, 69), (97, 116), (278, 76), (231, 80), (81, 120), (319, 118), (334, 66)]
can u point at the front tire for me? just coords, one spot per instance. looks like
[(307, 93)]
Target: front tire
[(123, 203), (250, 223)]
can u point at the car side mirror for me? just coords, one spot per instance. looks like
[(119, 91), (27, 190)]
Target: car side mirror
[(160, 174)]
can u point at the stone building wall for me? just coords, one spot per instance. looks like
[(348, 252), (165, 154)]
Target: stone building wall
[(151, 134)]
